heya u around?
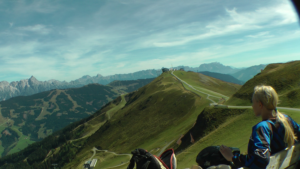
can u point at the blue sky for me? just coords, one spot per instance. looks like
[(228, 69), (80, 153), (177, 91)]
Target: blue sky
[(66, 39)]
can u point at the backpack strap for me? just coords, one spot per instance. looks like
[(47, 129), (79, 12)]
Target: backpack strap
[(270, 124), (131, 164), (143, 159), (145, 166)]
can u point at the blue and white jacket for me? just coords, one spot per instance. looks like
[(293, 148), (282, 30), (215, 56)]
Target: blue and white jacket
[(266, 139)]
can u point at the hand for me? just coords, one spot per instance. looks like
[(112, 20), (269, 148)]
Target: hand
[(226, 152)]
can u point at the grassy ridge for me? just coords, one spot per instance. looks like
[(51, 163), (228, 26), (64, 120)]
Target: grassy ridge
[(230, 133), (207, 121), (153, 116), (157, 115), (204, 82), (284, 77)]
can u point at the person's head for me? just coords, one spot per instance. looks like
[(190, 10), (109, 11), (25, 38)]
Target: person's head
[(264, 103), (264, 100)]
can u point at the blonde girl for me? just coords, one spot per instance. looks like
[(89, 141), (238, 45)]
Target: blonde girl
[(274, 133)]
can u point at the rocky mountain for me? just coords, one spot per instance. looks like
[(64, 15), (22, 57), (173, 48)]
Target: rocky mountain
[(224, 77), (212, 67), (161, 108), (218, 68), (130, 85), (241, 74), (32, 85), (248, 73), (284, 77), (26, 119)]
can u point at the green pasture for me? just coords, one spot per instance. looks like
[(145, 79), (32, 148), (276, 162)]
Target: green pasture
[(112, 111), (214, 86), (22, 143), (233, 133), (107, 160)]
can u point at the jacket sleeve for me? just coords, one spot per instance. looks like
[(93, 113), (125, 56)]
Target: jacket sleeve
[(258, 156)]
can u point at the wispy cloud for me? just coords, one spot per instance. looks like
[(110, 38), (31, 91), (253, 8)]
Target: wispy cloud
[(235, 22), (41, 29), (261, 35), (21, 6), (66, 40)]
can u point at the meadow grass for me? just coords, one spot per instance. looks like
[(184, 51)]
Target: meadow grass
[(234, 132), (208, 84), (118, 137), (175, 128), (106, 160), (22, 143), (2, 128), (281, 76), (112, 111)]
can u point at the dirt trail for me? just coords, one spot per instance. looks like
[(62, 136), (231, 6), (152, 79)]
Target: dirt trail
[(229, 106), (208, 95), (94, 149)]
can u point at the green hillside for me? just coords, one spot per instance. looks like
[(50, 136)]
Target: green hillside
[(152, 117), (128, 86), (37, 116), (229, 133), (157, 113), (201, 81), (284, 77), (61, 146), (169, 112)]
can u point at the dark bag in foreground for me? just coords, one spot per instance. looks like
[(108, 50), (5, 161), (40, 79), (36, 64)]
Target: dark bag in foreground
[(145, 160), (211, 156)]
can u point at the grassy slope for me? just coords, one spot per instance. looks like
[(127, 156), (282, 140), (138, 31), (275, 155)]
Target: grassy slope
[(229, 133), (283, 77), (106, 160), (203, 82), (159, 97), (160, 113), (155, 115), (39, 105)]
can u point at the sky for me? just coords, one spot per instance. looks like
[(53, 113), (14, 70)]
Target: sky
[(67, 39)]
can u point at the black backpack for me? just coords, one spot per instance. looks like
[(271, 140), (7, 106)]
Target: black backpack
[(211, 156), (145, 160)]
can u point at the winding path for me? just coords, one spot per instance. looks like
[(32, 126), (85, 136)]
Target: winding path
[(208, 95), (229, 106), (94, 149)]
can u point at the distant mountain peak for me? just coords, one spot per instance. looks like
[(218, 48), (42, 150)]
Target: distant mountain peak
[(99, 75), (33, 79), (85, 76)]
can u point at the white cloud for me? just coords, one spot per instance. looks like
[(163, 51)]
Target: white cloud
[(268, 60), (142, 35), (25, 7), (223, 52), (236, 22), (261, 35), (41, 29)]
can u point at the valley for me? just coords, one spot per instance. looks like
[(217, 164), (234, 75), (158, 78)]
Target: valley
[(186, 111)]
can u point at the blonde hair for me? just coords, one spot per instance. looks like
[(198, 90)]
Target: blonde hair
[(269, 98)]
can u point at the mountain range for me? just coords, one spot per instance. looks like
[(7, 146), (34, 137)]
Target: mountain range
[(174, 110), (31, 86), (26, 119)]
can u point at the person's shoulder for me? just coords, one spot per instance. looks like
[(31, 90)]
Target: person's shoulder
[(262, 124)]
